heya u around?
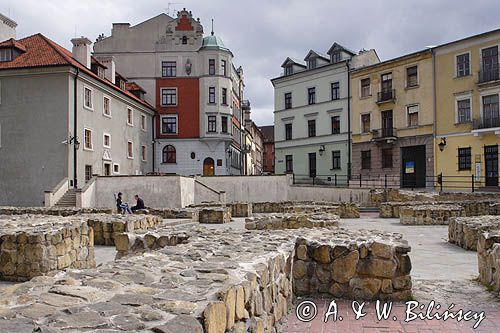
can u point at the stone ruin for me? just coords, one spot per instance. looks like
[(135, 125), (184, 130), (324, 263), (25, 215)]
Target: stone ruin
[(57, 211), (238, 209), (465, 231), (344, 210), (217, 215), (212, 281), (429, 214), (470, 207), (291, 221), (488, 255), (33, 245)]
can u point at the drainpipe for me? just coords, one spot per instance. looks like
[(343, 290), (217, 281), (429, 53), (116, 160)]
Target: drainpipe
[(75, 129), (434, 129), (153, 129), (349, 164)]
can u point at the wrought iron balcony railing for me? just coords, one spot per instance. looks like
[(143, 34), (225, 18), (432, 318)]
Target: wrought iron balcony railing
[(385, 96), (384, 133), (489, 74), (486, 122)]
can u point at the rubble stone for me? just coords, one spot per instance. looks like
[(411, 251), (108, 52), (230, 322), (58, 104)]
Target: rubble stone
[(217, 215), (465, 231), (429, 214), (291, 221)]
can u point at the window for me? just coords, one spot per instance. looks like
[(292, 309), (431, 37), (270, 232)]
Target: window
[(143, 122), (106, 140), (312, 63), (211, 95), (107, 169), (311, 93), (288, 70), (463, 111), (184, 40), (387, 158), (130, 117), (464, 158), (336, 57), (463, 65), (169, 125), (336, 125), (143, 153), (288, 131), (88, 172), (412, 115), (5, 55), (491, 113), (335, 90), (311, 128), (365, 87), (168, 69), (288, 163), (116, 168), (336, 159), (169, 154), (87, 135), (223, 120), (88, 98), (365, 123), (106, 106), (224, 96), (223, 67), (412, 76), (211, 67), (212, 124), (130, 149), (288, 100), (168, 96), (366, 159)]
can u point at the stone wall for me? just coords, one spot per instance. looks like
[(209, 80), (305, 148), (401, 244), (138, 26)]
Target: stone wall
[(291, 221), (34, 245), (470, 207), (215, 215), (241, 209), (465, 231), (344, 209), (168, 213), (488, 255), (108, 227), (429, 214), (58, 211)]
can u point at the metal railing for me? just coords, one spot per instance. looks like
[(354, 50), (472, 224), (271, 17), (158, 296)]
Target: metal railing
[(489, 74), (386, 95), (381, 133), (486, 122)]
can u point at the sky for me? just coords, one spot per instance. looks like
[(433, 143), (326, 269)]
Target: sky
[(261, 34)]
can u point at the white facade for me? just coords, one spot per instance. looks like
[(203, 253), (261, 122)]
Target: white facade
[(7, 28)]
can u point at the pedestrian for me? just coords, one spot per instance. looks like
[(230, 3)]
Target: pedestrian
[(121, 206), (139, 204)]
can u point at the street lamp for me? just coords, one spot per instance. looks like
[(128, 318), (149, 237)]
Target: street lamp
[(321, 150), (442, 144), (74, 141)]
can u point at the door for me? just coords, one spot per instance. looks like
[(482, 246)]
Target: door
[(491, 165), (413, 167), (208, 167), (107, 169), (312, 165), (490, 63), (387, 123)]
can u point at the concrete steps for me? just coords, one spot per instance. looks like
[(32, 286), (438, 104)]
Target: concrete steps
[(68, 199)]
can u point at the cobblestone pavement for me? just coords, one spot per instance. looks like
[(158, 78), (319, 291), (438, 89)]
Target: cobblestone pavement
[(442, 272)]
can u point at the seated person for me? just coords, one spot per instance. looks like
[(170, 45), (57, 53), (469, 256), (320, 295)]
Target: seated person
[(139, 204), (121, 207)]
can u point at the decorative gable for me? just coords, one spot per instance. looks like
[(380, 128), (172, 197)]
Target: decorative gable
[(184, 23)]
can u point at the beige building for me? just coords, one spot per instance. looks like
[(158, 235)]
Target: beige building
[(392, 121)]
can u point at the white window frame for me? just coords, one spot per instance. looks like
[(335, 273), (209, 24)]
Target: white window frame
[(407, 107), (176, 123), (116, 165), (144, 124), (130, 157), (104, 113), (131, 123), (455, 56), (91, 139), (104, 140), (361, 122), (176, 96), (461, 98), (144, 153), (91, 108), (484, 94), (481, 54)]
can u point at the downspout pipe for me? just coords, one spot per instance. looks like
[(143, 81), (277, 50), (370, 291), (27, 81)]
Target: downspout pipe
[(153, 130), (349, 157), (75, 129), (434, 93)]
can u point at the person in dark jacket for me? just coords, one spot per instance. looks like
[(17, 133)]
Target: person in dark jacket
[(121, 207), (139, 204)]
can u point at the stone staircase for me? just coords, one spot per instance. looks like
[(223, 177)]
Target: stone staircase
[(68, 199)]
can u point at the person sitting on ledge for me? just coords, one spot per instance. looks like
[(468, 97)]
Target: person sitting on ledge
[(139, 204), (121, 206)]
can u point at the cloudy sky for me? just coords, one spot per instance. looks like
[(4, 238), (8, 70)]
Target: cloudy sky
[(262, 33)]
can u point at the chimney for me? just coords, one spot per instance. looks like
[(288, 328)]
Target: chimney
[(81, 50), (109, 62)]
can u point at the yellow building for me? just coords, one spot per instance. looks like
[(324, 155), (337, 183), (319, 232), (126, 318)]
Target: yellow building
[(467, 81), (392, 122)]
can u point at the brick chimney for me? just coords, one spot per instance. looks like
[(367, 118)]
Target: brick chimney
[(109, 62), (81, 50)]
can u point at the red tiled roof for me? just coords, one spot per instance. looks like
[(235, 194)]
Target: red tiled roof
[(43, 52), (12, 43), (132, 86)]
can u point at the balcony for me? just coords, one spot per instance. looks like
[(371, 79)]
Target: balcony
[(386, 96), (488, 75), (387, 134), (486, 125)]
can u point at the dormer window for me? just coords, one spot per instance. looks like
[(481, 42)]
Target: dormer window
[(288, 70), (336, 57), (100, 72), (5, 55), (184, 40), (312, 63)]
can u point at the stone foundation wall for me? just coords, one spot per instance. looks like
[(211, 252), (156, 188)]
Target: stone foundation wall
[(215, 215), (471, 208), (133, 243), (488, 255), (108, 227), (34, 245), (344, 210), (465, 231), (291, 221), (241, 209), (429, 214), (58, 211), (167, 213)]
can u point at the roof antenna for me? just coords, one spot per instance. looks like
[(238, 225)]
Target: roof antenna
[(212, 27)]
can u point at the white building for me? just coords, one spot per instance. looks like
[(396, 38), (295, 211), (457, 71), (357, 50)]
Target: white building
[(7, 28)]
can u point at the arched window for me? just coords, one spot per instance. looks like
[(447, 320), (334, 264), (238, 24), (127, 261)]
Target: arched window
[(169, 154), (184, 40)]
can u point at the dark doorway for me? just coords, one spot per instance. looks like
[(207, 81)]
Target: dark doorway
[(312, 165), (413, 167), (208, 167), (491, 165), (387, 123)]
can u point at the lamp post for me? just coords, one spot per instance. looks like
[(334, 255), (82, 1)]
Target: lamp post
[(321, 150), (442, 144)]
